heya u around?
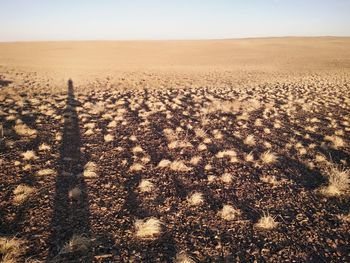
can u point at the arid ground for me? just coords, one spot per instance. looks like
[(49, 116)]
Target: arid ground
[(175, 151)]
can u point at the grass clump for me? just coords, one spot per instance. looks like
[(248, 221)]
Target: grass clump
[(226, 178), (338, 180), (22, 193), (146, 186), (44, 172), (10, 249), (74, 193), (250, 140), (268, 157), (78, 243), (183, 257), (195, 199), (90, 170), (266, 222), (179, 166), (164, 163), (29, 155), (148, 228), (136, 167), (23, 130), (336, 141), (228, 212)]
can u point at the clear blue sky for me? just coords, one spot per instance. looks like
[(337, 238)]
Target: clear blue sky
[(170, 19)]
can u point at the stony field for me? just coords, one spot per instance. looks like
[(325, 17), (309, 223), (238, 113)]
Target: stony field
[(226, 166)]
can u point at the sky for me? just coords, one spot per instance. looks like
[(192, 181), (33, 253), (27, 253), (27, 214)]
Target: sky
[(41, 20)]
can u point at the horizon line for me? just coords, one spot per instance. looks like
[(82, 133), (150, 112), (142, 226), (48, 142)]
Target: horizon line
[(174, 39)]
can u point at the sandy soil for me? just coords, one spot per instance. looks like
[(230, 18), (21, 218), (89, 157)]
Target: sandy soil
[(175, 151), (175, 61)]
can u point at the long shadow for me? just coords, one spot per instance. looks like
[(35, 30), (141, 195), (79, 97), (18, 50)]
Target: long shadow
[(70, 215)]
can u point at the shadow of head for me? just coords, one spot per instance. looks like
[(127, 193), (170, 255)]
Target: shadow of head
[(4, 83)]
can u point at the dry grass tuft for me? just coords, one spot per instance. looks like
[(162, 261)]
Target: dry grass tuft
[(89, 132), (10, 249), (90, 170), (164, 163), (226, 178), (337, 142), (338, 180), (228, 212), (148, 228), (137, 149), (269, 179), (258, 123), (234, 159), (267, 130), (208, 167), (108, 138), (133, 138), (58, 136), (268, 157), (202, 147), (44, 172), (22, 193), (218, 135), (44, 147), (178, 144), (266, 222), (29, 155), (75, 193), (182, 257), (226, 153), (249, 157), (23, 130), (345, 218), (195, 160), (196, 199), (136, 167), (211, 178), (112, 124), (200, 133), (146, 186), (179, 166), (27, 167), (267, 145), (302, 151), (250, 140), (207, 141), (146, 159), (78, 243), (320, 158)]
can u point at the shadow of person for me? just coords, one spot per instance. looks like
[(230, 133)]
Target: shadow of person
[(70, 225)]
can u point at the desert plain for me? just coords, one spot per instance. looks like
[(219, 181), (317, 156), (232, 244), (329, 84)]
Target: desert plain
[(175, 151)]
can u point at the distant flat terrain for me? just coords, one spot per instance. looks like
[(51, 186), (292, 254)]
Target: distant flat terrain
[(82, 60)]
